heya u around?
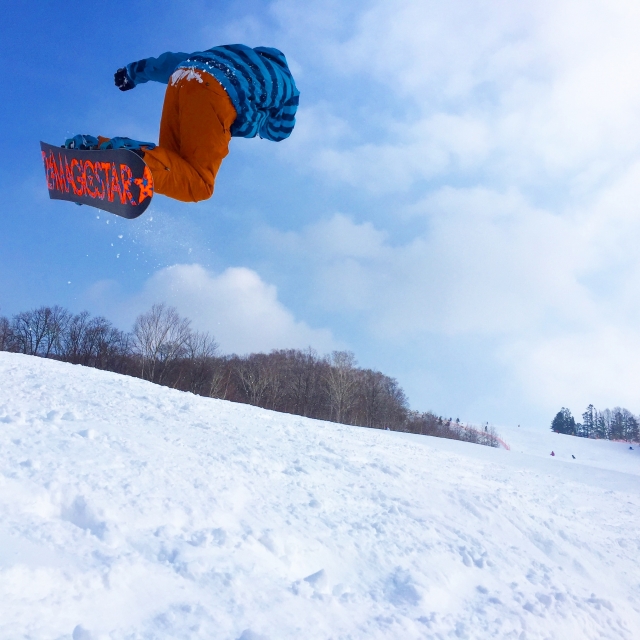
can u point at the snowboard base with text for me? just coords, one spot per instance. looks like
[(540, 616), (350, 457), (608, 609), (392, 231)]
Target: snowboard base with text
[(114, 180)]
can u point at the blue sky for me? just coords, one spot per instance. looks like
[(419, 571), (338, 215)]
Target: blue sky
[(458, 204)]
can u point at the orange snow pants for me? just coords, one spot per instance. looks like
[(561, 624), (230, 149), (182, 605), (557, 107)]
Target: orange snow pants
[(194, 136)]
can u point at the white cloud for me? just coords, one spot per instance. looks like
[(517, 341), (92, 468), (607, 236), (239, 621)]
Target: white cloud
[(423, 150), (489, 264), (525, 93), (599, 367), (236, 306)]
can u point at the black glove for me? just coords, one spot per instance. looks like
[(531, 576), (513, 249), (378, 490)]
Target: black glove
[(122, 79)]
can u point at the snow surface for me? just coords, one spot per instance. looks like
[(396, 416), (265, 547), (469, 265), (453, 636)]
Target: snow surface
[(129, 510)]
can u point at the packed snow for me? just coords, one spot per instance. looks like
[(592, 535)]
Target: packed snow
[(129, 510)]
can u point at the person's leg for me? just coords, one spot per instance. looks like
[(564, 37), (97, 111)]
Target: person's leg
[(194, 137)]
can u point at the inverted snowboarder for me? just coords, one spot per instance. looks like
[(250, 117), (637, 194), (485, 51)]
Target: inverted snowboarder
[(212, 95)]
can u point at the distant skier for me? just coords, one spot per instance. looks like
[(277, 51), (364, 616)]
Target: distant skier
[(573, 456), (552, 453), (631, 448), (212, 95)]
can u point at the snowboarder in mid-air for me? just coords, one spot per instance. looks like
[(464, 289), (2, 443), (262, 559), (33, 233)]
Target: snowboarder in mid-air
[(212, 95)]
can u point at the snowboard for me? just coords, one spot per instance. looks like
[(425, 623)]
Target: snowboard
[(114, 180)]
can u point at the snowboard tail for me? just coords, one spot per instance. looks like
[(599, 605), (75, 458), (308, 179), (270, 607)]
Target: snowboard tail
[(114, 180)]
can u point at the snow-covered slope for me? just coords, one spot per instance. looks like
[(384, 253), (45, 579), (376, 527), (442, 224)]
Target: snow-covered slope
[(129, 510)]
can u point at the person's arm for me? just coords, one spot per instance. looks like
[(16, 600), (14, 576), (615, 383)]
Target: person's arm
[(156, 69)]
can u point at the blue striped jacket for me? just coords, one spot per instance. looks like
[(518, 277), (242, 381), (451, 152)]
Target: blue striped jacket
[(258, 82)]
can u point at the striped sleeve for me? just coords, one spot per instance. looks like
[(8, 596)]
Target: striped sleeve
[(281, 118), (279, 125), (156, 69)]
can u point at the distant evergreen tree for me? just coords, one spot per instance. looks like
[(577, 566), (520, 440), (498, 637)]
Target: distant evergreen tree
[(633, 429), (589, 422), (617, 428), (557, 424), (601, 425), (564, 422)]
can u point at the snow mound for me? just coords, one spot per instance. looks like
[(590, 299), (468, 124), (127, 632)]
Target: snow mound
[(134, 511)]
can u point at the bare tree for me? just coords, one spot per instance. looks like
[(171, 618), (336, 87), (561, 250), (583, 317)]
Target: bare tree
[(7, 342), (303, 382), (161, 337), (38, 332), (73, 343), (93, 342), (114, 349), (200, 351), (341, 384), (255, 377), (276, 370), (393, 406), (220, 378), (371, 396), (106, 347)]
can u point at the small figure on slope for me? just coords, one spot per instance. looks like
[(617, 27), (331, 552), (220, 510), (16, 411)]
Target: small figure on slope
[(212, 95), (552, 453)]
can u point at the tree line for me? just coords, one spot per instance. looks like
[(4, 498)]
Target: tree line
[(610, 424), (164, 348)]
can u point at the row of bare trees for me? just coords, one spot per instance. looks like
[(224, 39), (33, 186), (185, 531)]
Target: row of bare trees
[(54, 332), (303, 383), (288, 380), (429, 424), (165, 349)]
